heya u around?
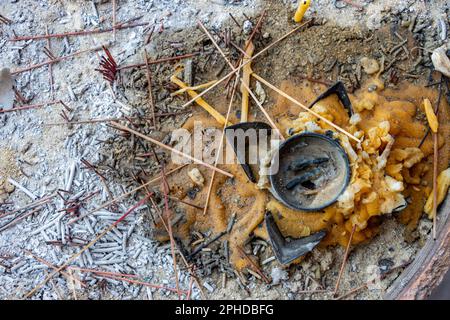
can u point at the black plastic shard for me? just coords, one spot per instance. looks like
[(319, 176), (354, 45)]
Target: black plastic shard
[(339, 89), (287, 251), (302, 163), (240, 131), (303, 178)]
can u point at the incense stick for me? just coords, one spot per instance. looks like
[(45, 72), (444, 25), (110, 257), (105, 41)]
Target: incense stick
[(90, 244), (162, 145), (282, 93), (104, 205), (243, 83), (242, 65), (341, 271)]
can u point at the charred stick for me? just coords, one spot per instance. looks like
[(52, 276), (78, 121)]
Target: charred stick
[(149, 37), (51, 61), (249, 40), (48, 51), (257, 269), (32, 106), (78, 33), (114, 8), (140, 65), (19, 96), (90, 244), (206, 243), (186, 203), (18, 219), (235, 21), (150, 95)]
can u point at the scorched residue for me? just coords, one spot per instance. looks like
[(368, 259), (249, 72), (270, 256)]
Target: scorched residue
[(389, 170)]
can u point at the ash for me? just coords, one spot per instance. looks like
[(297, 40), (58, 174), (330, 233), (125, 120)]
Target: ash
[(46, 161)]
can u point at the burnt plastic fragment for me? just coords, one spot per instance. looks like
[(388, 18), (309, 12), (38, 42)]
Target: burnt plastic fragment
[(285, 251), (339, 89), (232, 139), (302, 179), (302, 163)]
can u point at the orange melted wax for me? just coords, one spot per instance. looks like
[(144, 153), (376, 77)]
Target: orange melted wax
[(404, 111)]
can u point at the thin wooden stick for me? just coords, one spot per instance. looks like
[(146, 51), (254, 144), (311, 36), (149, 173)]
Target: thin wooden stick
[(147, 284), (114, 8), (186, 202), (191, 283), (188, 266), (198, 87), (48, 264), (97, 120), (312, 291), (213, 174), (352, 291), (31, 106), (435, 160), (435, 174), (168, 59), (250, 39), (162, 145), (200, 101), (383, 276), (242, 65), (100, 272), (102, 178), (282, 93), (123, 277), (79, 33), (436, 112), (72, 284), (50, 66), (150, 95), (243, 82), (240, 49), (51, 61), (257, 269), (5, 20), (263, 110), (169, 224), (18, 219), (90, 244), (341, 271), (36, 203), (123, 195)]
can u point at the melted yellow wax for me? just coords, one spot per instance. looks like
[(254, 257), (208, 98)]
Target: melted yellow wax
[(384, 112)]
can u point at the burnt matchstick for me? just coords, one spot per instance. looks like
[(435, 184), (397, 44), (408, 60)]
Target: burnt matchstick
[(108, 67)]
